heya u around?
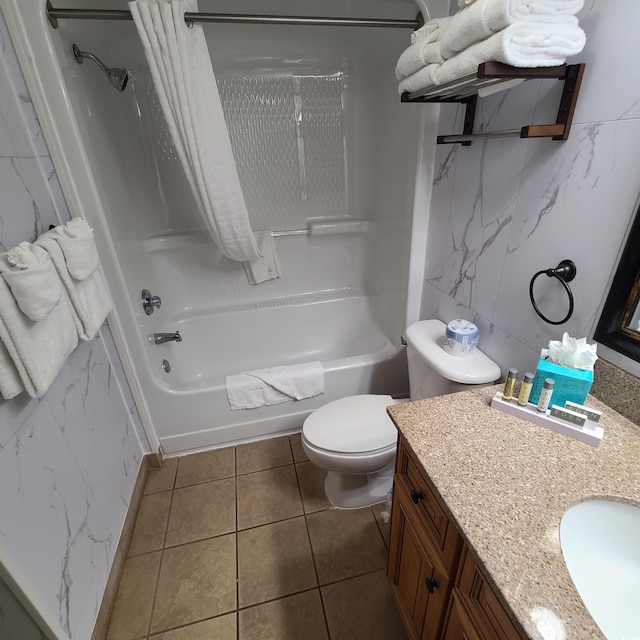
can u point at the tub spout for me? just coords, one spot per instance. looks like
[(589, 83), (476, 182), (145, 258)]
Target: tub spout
[(161, 338)]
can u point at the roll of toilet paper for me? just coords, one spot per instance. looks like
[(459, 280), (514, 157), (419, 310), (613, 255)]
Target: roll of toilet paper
[(461, 338)]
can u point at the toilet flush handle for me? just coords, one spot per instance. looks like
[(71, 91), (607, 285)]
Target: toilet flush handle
[(416, 496)]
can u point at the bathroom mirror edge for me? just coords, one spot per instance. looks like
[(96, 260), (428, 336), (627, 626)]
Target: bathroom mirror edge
[(621, 303)]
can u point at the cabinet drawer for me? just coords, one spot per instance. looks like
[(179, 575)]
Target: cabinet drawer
[(482, 603), (441, 531)]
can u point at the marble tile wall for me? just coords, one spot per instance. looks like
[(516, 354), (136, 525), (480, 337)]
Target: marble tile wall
[(68, 462), (501, 210)]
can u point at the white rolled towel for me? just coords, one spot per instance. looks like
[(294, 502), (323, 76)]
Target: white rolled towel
[(524, 44), (431, 31), (539, 7), (32, 278), (501, 13), (422, 79), (417, 56), (483, 18)]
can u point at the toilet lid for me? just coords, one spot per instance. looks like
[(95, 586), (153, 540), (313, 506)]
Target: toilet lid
[(352, 425)]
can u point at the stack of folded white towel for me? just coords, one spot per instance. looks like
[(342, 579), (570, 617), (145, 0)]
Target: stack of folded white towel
[(51, 294), (520, 33)]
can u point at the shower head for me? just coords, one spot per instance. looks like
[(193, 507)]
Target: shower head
[(117, 77)]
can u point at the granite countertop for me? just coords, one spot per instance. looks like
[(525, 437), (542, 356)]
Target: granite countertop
[(507, 483)]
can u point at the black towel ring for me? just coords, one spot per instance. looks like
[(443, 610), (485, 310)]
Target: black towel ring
[(565, 272)]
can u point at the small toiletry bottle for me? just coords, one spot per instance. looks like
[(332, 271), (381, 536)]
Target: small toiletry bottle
[(545, 395), (509, 384), (525, 389)]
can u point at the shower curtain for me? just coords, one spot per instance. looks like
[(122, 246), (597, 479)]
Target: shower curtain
[(183, 75)]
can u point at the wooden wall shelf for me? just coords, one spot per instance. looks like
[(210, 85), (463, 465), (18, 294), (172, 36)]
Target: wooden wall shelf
[(465, 90)]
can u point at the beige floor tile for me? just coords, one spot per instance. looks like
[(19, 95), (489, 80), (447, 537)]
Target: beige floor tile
[(273, 561), (134, 601), (311, 479), (162, 478), (296, 447), (197, 581), (385, 527), (268, 496), (221, 628), (206, 466), (362, 609), (151, 523), (291, 618), (345, 543), (202, 511), (264, 454)]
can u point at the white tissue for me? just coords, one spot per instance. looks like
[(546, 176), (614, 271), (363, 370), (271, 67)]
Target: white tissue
[(574, 353)]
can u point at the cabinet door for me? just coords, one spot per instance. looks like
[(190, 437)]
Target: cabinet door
[(459, 625), (419, 583), (482, 603)]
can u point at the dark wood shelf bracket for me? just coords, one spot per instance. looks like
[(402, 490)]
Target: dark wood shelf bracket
[(465, 90)]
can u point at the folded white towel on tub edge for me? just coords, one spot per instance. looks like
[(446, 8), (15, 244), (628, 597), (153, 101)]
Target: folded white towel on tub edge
[(284, 383)]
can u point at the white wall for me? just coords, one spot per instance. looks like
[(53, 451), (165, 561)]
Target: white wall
[(68, 462), (504, 209)]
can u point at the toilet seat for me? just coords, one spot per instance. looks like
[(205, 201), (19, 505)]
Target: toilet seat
[(352, 426)]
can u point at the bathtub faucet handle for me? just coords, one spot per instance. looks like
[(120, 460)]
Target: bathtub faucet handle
[(161, 338), (149, 302)]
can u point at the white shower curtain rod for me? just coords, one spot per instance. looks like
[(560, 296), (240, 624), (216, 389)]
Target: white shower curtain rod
[(54, 15)]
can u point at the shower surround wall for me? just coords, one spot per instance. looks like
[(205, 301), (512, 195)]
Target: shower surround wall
[(318, 132), (68, 462), (504, 209)]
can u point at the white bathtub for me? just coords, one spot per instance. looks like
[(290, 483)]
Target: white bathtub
[(220, 338), (312, 327)]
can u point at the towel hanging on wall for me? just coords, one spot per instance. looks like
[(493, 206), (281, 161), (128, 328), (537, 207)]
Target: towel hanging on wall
[(73, 251), (183, 75), (33, 352)]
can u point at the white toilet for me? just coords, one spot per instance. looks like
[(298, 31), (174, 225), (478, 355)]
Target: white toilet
[(355, 440)]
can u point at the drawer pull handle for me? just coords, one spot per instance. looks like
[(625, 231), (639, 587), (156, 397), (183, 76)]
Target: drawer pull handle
[(416, 496), (431, 584)]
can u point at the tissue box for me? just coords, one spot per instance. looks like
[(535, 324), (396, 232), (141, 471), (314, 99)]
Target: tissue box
[(570, 384)]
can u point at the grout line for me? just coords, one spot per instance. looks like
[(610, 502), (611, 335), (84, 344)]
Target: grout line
[(357, 575), (384, 540), (162, 550), (164, 539), (313, 555), (235, 475), (191, 624), (284, 597), (324, 613)]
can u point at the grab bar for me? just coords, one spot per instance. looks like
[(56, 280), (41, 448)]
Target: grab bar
[(327, 226)]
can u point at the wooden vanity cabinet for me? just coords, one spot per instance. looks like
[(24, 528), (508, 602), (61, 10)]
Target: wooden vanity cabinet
[(439, 590)]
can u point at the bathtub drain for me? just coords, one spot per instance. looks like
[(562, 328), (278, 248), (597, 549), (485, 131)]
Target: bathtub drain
[(166, 365)]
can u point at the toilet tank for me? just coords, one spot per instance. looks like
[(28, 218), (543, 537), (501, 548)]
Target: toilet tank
[(434, 372)]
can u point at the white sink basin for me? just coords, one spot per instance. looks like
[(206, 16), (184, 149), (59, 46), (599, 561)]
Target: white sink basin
[(600, 542)]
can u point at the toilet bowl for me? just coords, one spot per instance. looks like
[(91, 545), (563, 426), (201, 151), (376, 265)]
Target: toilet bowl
[(354, 439)]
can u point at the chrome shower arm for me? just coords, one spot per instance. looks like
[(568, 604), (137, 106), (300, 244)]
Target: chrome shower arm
[(80, 55)]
